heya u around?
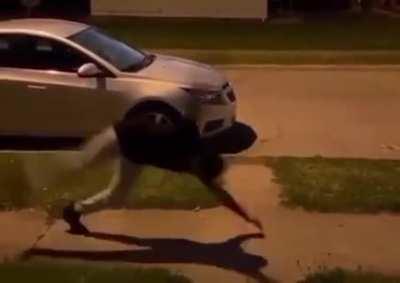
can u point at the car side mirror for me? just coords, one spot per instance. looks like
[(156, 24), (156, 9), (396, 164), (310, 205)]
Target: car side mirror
[(89, 70)]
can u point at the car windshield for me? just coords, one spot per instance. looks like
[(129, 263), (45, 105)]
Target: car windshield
[(117, 53)]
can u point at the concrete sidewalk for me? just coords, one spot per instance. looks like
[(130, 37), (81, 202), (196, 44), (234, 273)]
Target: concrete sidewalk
[(299, 242), (19, 231)]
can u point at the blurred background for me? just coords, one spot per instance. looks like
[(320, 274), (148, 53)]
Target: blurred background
[(260, 9)]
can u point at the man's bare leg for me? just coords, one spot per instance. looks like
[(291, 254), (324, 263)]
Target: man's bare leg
[(114, 196), (99, 149), (122, 181)]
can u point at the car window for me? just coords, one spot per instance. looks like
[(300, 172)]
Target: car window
[(115, 52), (4, 44), (31, 52), (5, 51)]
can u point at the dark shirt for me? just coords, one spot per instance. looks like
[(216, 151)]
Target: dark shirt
[(169, 150)]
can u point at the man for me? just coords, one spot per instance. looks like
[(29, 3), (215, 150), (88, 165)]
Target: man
[(136, 144)]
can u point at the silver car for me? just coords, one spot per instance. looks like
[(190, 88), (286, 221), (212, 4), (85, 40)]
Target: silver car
[(61, 79)]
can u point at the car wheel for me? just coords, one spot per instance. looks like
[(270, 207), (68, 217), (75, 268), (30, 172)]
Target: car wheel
[(30, 3), (157, 115)]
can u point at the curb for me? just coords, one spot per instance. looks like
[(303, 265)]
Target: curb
[(311, 67), (293, 59)]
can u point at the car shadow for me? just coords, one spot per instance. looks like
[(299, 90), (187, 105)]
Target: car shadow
[(227, 255)]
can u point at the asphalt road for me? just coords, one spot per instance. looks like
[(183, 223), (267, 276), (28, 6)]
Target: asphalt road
[(328, 111)]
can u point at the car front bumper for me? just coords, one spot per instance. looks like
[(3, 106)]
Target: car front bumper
[(215, 118)]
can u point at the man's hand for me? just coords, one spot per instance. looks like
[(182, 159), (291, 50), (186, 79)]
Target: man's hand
[(229, 202), (256, 223)]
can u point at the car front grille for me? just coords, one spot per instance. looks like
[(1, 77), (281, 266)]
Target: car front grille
[(231, 96), (228, 92)]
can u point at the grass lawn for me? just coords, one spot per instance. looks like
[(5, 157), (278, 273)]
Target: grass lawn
[(46, 272), (43, 180), (345, 276), (333, 33), (237, 38), (339, 185)]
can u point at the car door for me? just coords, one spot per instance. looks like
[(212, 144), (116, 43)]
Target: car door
[(11, 106), (43, 94)]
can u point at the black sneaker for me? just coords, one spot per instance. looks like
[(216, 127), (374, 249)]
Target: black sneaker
[(72, 217)]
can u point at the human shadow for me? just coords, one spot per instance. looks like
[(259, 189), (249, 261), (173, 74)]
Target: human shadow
[(227, 255)]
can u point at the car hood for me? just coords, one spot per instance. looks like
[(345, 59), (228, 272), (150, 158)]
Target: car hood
[(182, 71)]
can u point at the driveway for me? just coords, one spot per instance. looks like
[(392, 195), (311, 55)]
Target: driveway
[(328, 111)]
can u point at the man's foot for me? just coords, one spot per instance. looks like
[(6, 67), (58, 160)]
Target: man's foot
[(72, 217)]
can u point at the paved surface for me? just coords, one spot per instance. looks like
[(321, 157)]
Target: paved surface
[(297, 112), (19, 231), (298, 242), (325, 111)]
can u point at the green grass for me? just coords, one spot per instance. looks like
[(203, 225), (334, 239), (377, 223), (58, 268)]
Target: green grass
[(339, 185), (339, 39), (352, 32), (43, 180), (345, 276), (46, 272)]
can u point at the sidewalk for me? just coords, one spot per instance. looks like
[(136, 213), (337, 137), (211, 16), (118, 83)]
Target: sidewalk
[(19, 231)]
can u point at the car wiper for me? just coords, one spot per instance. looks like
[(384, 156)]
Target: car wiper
[(147, 61)]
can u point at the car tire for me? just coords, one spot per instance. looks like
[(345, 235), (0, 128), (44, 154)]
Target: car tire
[(29, 4), (157, 114)]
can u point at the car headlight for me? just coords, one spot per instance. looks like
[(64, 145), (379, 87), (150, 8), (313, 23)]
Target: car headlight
[(206, 96)]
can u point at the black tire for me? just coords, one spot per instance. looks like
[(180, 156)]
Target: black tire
[(29, 4), (157, 114)]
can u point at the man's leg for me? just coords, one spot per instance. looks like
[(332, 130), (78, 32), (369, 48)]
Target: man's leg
[(101, 147), (114, 196)]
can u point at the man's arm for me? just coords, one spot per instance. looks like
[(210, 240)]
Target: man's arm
[(98, 148), (229, 202), (102, 146)]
